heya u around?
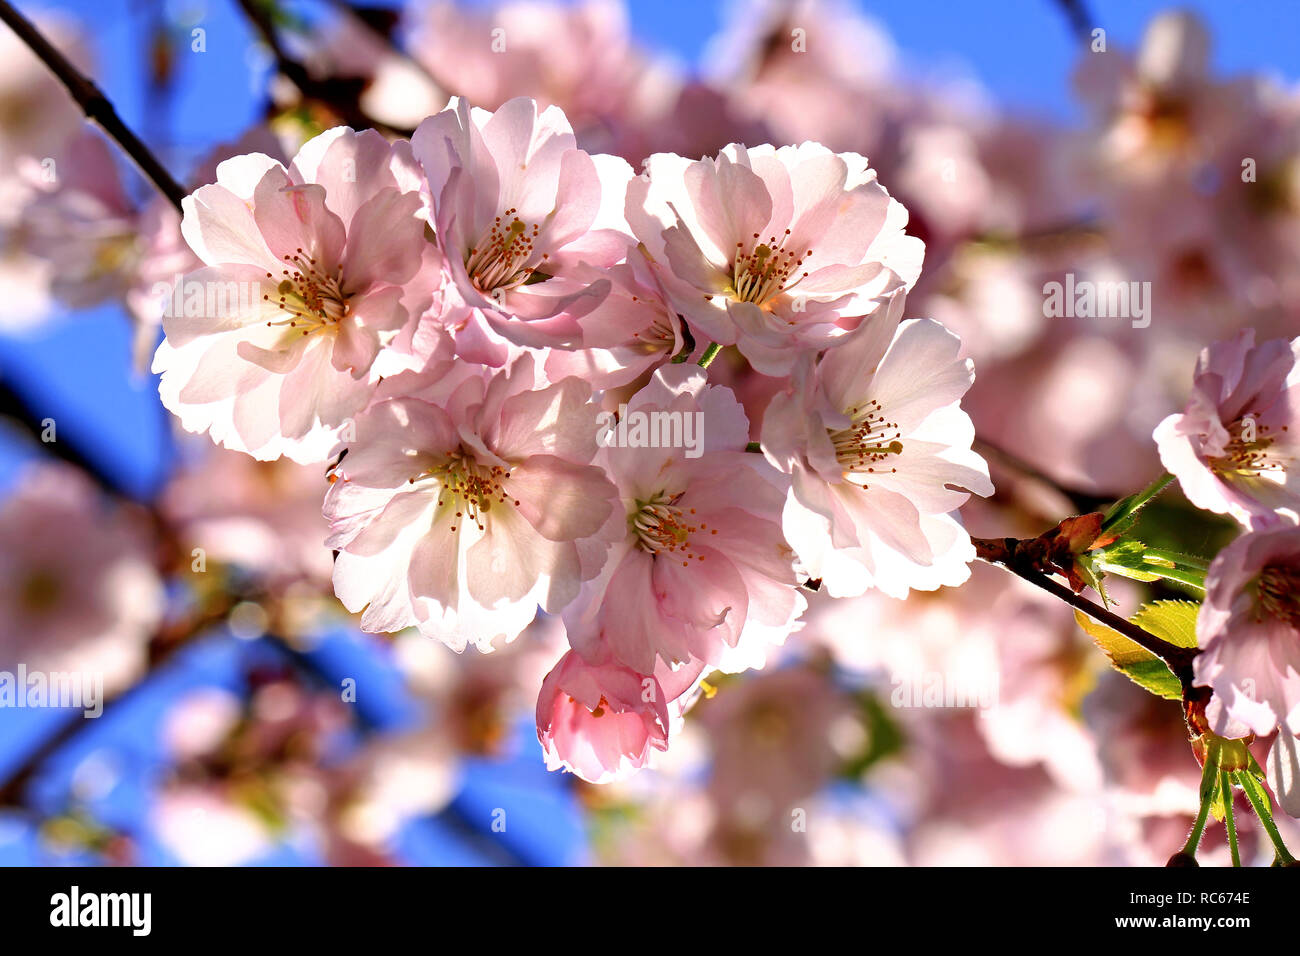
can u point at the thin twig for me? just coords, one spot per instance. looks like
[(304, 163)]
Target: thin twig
[(1081, 21), (1082, 501), (94, 103), (15, 784), (339, 94), (18, 408), (1178, 658)]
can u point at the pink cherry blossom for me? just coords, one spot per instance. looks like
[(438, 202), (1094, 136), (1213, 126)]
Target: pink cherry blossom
[(164, 255), (777, 251), (812, 69), (467, 500), (878, 450), (1249, 632), (631, 333), (83, 223), (774, 740), (262, 516), (701, 571), (78, 590), (313, 265), (601, 721), (578, 56), (518, 209), (1235, 448)]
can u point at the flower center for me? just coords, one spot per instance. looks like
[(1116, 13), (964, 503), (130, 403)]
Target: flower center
[(312, 296), (658, 334), (472, 489), (500, 260), (1278, 591), (1165, 118), (40, 592), (763, 273), (867, 442), (661, 527), (1249, 450)]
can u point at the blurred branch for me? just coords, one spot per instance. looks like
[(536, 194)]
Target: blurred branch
[(94, 103), (16, 408), (340, 95), (1079, 17), (160, 650), (1082, 501)]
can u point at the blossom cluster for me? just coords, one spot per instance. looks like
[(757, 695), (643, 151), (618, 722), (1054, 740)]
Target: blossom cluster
[(588, 378), (445, 320), (1235, 450)]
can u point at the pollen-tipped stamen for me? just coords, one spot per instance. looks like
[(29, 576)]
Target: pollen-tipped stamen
[(501, 259), (664, 528), (766, 271), (1250, 450), (471, 488), (870, 440), (312, 297)]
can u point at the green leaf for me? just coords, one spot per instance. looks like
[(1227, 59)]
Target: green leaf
[(1134, 559), (1125, 558), (1124, 512), (1136, 663), (1173, 621)]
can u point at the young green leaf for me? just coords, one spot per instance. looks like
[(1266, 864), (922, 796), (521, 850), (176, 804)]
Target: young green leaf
[(1173, 621)]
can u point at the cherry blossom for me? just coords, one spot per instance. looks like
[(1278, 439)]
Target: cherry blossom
[(878, 450), (1235, 448), (517, 209), (578, 56), (775, 250), (631, 333), (466, 501), (77, 586), (601, 366), (1249, 632), (308, 272), (701, 563), (600, 721)]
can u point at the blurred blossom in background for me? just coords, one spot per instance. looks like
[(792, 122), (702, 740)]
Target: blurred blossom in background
[(250, 721)]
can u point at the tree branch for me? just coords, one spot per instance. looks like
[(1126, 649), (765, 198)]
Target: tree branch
[(1001, 551), (22, 412), (1079, 17), (1082, 501), (94, 103), (339, 94), (13, 787)]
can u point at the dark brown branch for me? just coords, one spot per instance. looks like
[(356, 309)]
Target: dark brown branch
[(1002, 551), (339, 94), (94, 103)]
